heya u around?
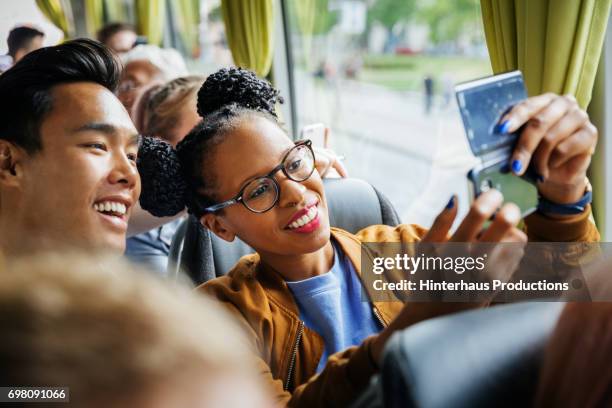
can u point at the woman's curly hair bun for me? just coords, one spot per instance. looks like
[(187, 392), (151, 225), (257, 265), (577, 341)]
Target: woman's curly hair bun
[(164, 188), (239, 86)]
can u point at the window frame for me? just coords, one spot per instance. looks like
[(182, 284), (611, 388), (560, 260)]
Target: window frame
[(600, 111), (282, 66)]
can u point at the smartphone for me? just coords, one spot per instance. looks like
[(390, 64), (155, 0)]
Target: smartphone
[(515, 189), (482, 103), (316, 133)]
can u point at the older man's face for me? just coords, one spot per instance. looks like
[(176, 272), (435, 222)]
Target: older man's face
[(135, 75), (122, 42)]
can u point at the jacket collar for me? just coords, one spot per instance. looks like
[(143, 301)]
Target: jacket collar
[(276, 287)]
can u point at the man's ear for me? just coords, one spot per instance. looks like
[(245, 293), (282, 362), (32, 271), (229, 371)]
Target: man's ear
[(218, 226), (11, 158)]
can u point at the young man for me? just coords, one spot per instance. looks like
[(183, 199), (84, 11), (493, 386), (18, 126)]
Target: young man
[(21, 41), (67, 151)]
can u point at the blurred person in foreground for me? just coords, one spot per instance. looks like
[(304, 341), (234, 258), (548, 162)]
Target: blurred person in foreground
[(68, 151), (21, 41), (119, 338), (575, 371), (119, 37), (144, 65)]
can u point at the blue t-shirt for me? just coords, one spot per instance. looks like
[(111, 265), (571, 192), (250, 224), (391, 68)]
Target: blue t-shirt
[(331, 305)]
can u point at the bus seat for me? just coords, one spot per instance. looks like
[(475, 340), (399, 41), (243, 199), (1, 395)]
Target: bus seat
[(481, 358), (353, 205)]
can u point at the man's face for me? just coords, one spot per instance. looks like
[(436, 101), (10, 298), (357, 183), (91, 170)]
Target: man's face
[(34, 44), (122, 42), (80, 188), (134, 77)]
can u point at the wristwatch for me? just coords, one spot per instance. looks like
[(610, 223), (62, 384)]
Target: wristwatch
[(548, 207)]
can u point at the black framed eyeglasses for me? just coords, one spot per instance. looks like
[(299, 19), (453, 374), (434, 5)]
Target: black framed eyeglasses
[(262, 193)]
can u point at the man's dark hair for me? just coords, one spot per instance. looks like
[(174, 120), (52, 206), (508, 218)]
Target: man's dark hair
[(110, 29), (25, 89), (20, 37)]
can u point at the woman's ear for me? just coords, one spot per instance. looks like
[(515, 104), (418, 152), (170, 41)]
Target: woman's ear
[(10, 159), (218, 226)]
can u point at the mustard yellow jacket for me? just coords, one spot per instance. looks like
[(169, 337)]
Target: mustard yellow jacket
[(288, 352)]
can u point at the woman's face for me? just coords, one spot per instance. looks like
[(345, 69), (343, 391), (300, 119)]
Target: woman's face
[(253, 149)]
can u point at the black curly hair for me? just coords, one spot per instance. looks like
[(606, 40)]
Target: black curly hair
[(175, 178), (240, 86)]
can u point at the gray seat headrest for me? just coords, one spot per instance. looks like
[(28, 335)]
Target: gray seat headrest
[(482, 358)]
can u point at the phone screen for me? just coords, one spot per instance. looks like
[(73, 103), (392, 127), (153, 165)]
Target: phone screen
[(514, 189), (483, 102)]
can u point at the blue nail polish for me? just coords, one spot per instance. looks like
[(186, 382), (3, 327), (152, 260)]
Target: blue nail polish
[(451, 203), (504, 127), (540, 178), (516, 166)]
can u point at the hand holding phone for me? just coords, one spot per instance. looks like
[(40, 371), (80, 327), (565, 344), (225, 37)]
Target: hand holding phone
[(327, 162), (482, 103)]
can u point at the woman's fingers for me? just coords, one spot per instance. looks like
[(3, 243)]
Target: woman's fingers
[(339, 167), (580, 143), (481, 210), (503, 225), (523, 111), (515, 235), (564, 129), (443, 223), (540, 114), (326, 160), (322, 161)]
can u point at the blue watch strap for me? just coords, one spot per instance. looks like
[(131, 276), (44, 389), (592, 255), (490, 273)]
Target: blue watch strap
[(548, 207)]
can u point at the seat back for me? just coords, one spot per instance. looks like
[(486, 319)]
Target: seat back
[(481, 358), (353, 205)]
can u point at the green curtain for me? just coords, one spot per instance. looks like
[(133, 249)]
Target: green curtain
[(187, 14), (151, 17), (115, 11), (597, 171), (557, 44), (94, 16), (249, 27), (58, 14)]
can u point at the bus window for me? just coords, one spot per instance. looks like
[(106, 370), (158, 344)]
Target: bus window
[(380, 74)]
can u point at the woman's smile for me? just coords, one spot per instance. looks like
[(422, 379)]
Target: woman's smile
[(306, 220)]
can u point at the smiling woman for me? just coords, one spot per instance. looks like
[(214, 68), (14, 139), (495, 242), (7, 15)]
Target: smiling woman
[(300, 296)]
